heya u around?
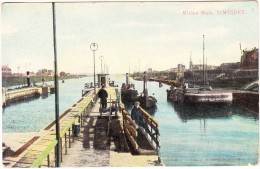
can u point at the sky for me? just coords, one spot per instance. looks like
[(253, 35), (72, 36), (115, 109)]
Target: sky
[(130, 35)]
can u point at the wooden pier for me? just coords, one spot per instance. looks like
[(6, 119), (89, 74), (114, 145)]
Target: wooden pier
[(101, 141)]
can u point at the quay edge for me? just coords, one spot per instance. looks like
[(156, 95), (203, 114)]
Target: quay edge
[(17, 95)]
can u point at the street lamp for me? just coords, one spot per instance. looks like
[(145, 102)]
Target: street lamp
[(101, 57), (94, 47)]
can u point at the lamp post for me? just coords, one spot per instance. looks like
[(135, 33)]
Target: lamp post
[(56, 83), (101, 57), (94, 47)]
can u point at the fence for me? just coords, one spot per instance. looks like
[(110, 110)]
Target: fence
[(42, 153), (151, 128)]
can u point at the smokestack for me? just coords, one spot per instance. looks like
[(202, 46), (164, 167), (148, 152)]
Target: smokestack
[(127, 78)]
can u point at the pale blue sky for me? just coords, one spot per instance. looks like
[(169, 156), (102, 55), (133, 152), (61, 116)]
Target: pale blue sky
[(157, 33)]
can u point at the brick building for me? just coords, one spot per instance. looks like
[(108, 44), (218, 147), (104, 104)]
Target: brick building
[(6, 71), (249, 59)]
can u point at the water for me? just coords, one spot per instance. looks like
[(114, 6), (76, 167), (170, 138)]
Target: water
[(32, 116), (189, 136)]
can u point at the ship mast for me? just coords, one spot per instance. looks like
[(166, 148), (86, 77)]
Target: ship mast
[(204, 76)]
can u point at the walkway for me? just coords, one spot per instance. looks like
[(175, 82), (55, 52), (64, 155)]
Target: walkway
[(91, 148)]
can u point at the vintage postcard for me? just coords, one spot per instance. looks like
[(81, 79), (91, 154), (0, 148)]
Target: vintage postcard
[(130, 83)]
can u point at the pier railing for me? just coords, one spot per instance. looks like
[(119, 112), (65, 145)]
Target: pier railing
[(42, 153), (150, 127), (130, 129)]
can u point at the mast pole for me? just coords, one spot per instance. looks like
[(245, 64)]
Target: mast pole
[(204, 79)]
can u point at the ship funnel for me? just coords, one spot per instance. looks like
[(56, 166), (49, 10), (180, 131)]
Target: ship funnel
[(127, 79)]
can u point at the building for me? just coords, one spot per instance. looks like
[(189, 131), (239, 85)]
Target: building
[(42, 72), (50, 73), (63, 74), (45, 72), (6, 71), (150, 70), (227, 66), (249, 59), (181, 68), (197, 67)]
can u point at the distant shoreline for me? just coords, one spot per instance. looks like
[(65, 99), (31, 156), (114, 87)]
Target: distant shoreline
[(22, 81)]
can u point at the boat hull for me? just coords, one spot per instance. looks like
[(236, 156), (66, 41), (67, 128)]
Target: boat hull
[(208, 97), (147, 102), (129, 95)]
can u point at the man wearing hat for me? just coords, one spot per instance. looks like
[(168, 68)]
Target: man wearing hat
[(102, 94), (136, 114)]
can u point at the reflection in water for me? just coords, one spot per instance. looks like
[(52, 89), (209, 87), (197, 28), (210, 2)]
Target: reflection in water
[(244, 113), (202, 111), (206, 111), (44, 96)]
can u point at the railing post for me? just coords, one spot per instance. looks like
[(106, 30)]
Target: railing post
[(48, 160), (69, 139), (60, 149), (81, 119), (66, 143)]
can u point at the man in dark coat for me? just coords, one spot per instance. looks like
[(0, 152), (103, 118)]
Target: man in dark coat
[(136, 114), (102, 94)]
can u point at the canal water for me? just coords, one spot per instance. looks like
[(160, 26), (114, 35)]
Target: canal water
[(201, 135)]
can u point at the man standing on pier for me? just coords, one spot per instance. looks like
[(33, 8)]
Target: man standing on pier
[(102, 94), (136, 114)]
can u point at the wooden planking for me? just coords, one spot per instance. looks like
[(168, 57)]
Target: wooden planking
[(39, 151)]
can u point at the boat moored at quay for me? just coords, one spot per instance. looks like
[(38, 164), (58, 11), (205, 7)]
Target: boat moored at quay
[(128, 92), (199, 95)]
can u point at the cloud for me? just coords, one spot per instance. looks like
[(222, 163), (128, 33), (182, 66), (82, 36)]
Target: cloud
[(185, 36), (216, 32), (68, 37)]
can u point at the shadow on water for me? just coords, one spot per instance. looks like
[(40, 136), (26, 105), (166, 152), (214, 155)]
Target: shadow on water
[(209, 111), (244, 113)]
